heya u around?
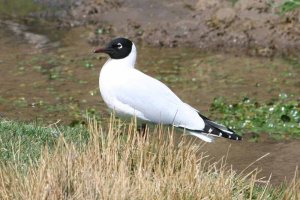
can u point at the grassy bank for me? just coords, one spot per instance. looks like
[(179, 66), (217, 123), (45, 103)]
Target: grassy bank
[(115, 162)]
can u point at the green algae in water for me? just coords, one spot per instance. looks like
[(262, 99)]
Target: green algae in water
[(17, 7), (279, 118)]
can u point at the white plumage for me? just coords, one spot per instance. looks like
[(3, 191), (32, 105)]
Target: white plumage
[(128, 91)]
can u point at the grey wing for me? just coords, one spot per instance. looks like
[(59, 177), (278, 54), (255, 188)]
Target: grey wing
[(155, 102)]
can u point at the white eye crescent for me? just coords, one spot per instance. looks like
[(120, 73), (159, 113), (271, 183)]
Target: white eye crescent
[(120, 46)]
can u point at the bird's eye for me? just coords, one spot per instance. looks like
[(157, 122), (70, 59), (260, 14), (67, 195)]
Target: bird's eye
[(119, 45)]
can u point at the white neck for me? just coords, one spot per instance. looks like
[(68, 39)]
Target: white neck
[(128, 61)]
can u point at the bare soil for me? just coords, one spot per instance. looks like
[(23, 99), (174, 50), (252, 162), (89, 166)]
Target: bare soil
[(254, 27)]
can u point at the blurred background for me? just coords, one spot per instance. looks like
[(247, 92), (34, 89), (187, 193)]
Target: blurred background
[(237, 61)]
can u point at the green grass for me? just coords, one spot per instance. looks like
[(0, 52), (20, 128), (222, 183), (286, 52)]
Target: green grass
[(279, 118), (95, 162), (23, 141)]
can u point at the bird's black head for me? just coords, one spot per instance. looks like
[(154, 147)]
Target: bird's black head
[(117, 49)]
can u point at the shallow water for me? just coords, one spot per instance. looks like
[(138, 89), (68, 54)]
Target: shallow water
[(60, 82)]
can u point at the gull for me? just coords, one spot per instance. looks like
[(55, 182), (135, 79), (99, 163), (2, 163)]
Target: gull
[(130, 92)]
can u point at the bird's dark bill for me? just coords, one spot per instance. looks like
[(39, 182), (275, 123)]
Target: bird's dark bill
[(100, 50)]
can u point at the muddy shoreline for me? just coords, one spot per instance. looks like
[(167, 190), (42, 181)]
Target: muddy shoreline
[(248, 26)]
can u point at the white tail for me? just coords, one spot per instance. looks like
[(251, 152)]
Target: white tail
[(203, 136)]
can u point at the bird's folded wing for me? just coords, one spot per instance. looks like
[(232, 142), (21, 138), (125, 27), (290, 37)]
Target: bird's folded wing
[(155, 102)]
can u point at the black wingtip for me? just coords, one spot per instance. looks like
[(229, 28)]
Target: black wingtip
[(219, 130), (232, 136)]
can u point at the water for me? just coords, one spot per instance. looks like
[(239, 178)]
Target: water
[(51, 84)]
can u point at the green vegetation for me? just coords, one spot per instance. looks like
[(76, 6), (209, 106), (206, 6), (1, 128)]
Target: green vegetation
[(279, 118), (289, 5), (292, 61), (233, 1), (115, 162), (17, 7), (284, 7), (23, 142)]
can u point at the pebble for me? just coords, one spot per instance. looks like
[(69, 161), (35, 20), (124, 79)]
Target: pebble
[(225, 15)]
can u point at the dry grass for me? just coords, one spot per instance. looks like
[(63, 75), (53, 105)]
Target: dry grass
[(116, 166)]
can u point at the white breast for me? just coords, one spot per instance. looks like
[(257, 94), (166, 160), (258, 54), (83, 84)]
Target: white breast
[(114, 73)]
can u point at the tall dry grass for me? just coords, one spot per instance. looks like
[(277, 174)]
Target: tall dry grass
[(115, 165)]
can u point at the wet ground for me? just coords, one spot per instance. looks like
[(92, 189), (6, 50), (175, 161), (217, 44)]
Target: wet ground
[(49, 75), (280, 162), (249, 26)]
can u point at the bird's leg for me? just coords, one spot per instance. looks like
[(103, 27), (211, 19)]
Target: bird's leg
[(142, 130)]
